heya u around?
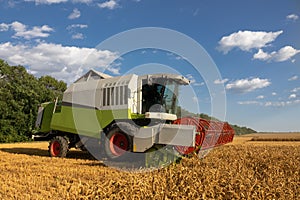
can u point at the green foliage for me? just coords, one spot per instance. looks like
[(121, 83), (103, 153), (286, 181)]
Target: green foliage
[(242, 130), (238, 130), (20, 95)]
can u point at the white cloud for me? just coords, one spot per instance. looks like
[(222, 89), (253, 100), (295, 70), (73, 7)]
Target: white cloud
[(179, 58), (281, 103), (295, 90), (77, 36), (247, 40), (74, 26), (261, 55), (218, 81), (49, 2), (292, 96), (37, 2), (270, 103), (274, 93), (112, 4), (82, 1), (249, 103), (72, 30), (114, 70), (11, 3), (260, 97), (22, 31), (191, 78), (285, 53), (293, 78), (4, 27), (276, 103), (63, 62), (247, 85), (75, 14), (293, 17), (18, 26), (199, 84)]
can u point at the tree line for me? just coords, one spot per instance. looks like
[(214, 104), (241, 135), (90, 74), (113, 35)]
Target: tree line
[(20, 95), (238, 129)]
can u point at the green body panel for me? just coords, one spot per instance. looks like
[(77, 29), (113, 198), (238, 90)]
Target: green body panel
[(137, 116), (47, 115), (86, 121)]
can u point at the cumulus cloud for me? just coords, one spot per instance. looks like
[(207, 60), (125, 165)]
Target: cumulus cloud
[(63, 62), (260, 97), (274, 93), (199, 84), (247, 40), (191, 78), (285, 53), (221, 81), (247, 85), (37, 2), (281, 103), (292, 96), (73, 30), (75, 14), (293, 17), (249, 103), (295, 89), (74, 26), (77, 36), (293, 78), (82, 1), (22, 31), (112, 4), (271, 103), (49, 2), (4, 27)]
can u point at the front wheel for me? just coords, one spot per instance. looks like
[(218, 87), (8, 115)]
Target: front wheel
[(118, 141), (58, 147)]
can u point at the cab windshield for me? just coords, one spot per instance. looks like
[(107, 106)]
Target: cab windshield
[(160, 96)]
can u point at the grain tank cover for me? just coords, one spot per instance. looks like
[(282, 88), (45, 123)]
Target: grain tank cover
[(103, 92), (92, 75)]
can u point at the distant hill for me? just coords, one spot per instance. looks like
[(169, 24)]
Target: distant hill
[(238, 129)]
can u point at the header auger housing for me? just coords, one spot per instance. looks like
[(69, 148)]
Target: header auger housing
[(126, 115)]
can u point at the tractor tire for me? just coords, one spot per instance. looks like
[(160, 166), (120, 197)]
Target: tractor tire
[(119, 141), (58, 147)]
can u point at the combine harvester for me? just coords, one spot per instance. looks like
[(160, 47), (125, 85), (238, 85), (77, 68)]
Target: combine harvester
[(121, 118)]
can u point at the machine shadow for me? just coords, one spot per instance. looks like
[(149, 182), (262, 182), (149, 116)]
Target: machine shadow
[(44, 153)]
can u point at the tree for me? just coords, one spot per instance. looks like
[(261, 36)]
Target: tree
[(20, 95), (51, 87)]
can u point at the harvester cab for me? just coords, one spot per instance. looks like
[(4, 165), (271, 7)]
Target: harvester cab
[(126, 114), (159, 93)]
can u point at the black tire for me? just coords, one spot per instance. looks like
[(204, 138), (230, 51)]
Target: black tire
[(119, 141), (58, 147)]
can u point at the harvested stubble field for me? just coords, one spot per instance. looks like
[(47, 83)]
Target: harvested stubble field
[(241, 170)]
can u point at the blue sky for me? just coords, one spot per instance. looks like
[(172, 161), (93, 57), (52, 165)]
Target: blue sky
[(254, 44)]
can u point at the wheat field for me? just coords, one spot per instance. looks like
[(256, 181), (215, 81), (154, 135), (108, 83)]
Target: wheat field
[(244, 169)]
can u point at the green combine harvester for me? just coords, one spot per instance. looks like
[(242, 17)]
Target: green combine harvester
[(119, 118)]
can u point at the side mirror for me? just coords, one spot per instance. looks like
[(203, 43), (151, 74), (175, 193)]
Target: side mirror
[(149, 80)]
